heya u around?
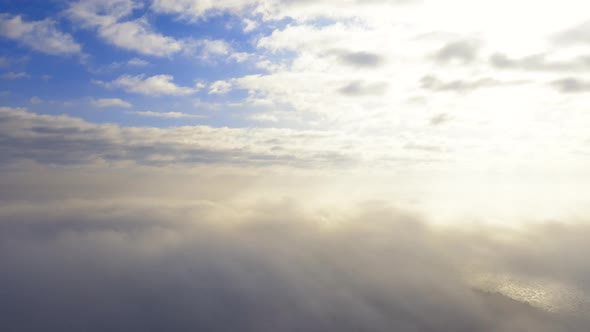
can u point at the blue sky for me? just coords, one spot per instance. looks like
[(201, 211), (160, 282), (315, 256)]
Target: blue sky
[(52, 82)]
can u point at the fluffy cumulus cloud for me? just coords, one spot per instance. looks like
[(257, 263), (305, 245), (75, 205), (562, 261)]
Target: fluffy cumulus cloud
[(42, 36)]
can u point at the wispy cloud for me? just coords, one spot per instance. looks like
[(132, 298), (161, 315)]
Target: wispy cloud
[(112, 21), (35, 100), (137, 62), (14, 76), (167, 115), (108, 17), (153, 85), (110, 102)]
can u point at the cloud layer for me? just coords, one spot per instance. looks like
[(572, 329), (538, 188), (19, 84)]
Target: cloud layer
[(213, 262), (64, 140)]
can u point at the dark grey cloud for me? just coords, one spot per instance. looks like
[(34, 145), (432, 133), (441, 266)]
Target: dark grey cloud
[(129, 265), (440, 119), (579, 34), (433, 83), (463, 51), (361, 88), (571, 85), (360, 59), (63, 140), (539, 62), (426, 147)]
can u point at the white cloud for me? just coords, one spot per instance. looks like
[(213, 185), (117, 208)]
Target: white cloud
[(264, 117), (200, 85), (201, 105), (95, 13), (42, 36), (110, 102), (154, 85), (220, 88), (250, 25), (136, 35), (14, 76), (208, 50), (240, 57), (167, 115), (195, 10), (112, 19), (364, 76), (214, 47), (137, 62)]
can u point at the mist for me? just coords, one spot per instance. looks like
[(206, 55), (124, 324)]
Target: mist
[(226, 260)]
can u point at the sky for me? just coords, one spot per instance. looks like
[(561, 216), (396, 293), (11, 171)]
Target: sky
[(284, 165)]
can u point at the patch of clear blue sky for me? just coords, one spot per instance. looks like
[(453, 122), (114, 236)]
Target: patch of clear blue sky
[(69, 89)]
